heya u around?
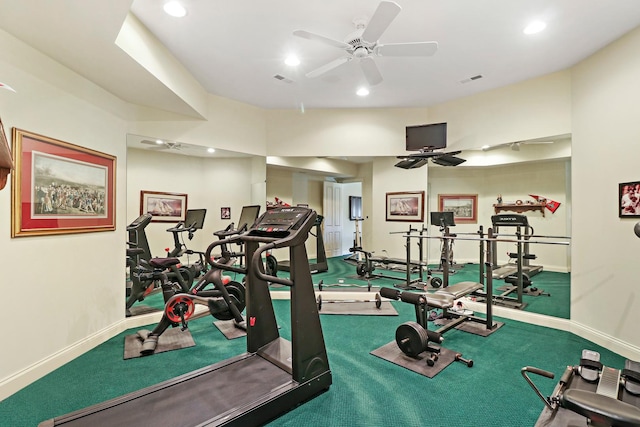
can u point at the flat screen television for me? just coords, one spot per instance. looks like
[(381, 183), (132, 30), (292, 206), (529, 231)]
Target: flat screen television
[(431, 137), (355, 208)]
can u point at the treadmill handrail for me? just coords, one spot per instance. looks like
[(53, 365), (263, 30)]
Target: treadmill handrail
[(257, 260)]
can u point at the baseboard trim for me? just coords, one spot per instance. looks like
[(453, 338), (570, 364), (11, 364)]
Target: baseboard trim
[(607, 341)]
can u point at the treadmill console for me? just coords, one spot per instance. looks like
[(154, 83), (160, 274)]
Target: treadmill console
[(140, 222), (279, 222), (506, 220)]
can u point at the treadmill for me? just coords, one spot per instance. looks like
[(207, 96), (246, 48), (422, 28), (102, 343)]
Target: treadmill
[(271, 378), (321, 265)]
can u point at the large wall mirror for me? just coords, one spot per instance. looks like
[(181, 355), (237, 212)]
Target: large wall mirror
[(513, 171), (187, 179)]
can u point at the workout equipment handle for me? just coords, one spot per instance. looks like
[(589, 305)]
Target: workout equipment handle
[(225, 258), (257, 261), (541, 372)]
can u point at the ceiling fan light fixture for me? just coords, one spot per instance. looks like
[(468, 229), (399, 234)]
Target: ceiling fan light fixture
[(485, 147), (211, 150), (159, 141), (363, 91), (175, 9), (534, 27)]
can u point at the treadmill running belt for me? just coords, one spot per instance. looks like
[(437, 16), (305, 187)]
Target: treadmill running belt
[(207, 394)]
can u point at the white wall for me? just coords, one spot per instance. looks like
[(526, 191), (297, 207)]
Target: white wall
[(514, 182), (606, 134), (58, 290)]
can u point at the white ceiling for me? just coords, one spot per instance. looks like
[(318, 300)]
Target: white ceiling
[(234, 48)]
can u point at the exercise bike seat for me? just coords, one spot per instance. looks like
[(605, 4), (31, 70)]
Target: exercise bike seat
[(601, 409), (163, 262)]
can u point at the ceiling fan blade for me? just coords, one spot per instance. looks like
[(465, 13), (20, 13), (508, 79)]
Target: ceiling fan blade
[(407, 49), (326, 40), (328, 67), (380, 21), (371, 72)]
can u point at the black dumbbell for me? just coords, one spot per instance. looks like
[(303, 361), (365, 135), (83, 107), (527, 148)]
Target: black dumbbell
[(467, 362)]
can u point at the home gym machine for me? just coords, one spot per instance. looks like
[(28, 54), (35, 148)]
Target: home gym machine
[(522, 257), (366, 264), (417, 342), (272, 377), (590, 394), (320, 265), (518, 276)]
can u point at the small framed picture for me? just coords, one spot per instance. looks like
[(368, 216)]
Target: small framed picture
[(463, 206), (629, 199), (225, 213), (405, 206), (163, 207)]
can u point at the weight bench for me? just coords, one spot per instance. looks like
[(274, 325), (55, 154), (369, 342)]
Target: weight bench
[(413, 338)]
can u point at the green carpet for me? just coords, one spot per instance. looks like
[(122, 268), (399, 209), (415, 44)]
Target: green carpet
[(366, 390)]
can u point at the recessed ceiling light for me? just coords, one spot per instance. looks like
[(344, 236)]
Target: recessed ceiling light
[(363, 91), (486, 147), (174, 8), (211, 150), (292, 61), (534, 27)]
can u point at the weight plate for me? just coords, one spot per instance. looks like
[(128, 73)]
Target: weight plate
[(436, 282), (361, 269), (411, 338)]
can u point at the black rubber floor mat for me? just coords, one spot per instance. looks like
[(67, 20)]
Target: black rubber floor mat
[(475, 328), (229, 330), (172, 339), (390, 352), (137, 310), (358, 308)]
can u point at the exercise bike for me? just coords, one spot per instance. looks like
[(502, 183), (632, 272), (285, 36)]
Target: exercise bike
[(225, 301), (194, 220)]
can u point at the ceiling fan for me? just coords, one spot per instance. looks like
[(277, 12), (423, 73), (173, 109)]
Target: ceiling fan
[(515, 146), (163, 145), (416, 160), (363, 44)]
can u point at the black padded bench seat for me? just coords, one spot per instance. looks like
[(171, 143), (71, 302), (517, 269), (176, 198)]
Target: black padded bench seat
[(445, 297)]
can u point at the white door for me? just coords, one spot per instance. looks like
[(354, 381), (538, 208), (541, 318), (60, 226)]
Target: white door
[(332, 209)]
